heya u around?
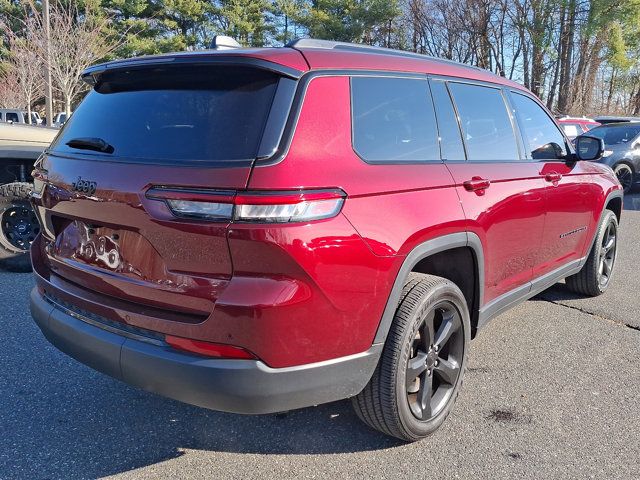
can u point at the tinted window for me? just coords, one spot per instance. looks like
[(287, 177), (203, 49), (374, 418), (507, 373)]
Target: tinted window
[(488, 133), (190, 113), (617, 135), (12, 117), (543, 140), (393, 120), (451, 145)]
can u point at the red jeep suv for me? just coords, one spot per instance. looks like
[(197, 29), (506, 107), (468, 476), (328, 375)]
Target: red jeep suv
[(258, 230)]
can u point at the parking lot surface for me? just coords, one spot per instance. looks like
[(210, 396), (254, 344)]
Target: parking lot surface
[(552, 391)]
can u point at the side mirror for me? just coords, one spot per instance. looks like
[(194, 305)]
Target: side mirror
[(589, 148)]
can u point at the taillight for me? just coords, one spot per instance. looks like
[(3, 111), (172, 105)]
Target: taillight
[(208, 349), (259, 207)]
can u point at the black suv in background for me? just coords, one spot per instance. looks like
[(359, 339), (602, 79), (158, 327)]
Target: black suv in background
[(622, 150)]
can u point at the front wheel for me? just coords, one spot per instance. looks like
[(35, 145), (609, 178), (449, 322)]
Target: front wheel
[(420, 372), (595, 276), (625, 176)]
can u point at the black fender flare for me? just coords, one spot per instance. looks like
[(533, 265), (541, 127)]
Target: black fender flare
[(420, 252), (612, 194)]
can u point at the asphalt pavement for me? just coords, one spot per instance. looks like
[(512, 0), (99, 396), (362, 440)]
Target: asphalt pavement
[(552, 392)]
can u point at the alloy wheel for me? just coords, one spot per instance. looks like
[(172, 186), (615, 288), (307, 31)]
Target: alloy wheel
[(625, 176), (435, 361), (607, 254)]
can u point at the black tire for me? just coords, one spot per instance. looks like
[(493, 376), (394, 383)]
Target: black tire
[(595, 276), (18, 226), (391, 401), (625, 176)]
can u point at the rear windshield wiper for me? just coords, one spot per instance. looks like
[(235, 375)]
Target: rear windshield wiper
[(97, 144)]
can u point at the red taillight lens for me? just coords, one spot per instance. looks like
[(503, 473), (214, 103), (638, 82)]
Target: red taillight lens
[(208, 349), (260, 207)]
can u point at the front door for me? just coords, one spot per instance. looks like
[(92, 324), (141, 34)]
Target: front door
[(569, 195)]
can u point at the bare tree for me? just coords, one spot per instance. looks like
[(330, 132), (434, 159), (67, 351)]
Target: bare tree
[(27, 68), (11, 95), (78, 39)]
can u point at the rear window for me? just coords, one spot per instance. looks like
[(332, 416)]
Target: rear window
[(393, 120), (175, 114)]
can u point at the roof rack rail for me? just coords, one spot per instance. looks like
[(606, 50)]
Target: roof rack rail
[(355, 47)]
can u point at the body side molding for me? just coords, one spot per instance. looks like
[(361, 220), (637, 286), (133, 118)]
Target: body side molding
[(530, 289)]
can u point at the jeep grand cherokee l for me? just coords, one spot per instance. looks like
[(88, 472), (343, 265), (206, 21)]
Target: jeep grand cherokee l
[(269, 229)]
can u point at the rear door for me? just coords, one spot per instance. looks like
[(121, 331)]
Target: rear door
[(174, 127), (501, 193), (571, 196)]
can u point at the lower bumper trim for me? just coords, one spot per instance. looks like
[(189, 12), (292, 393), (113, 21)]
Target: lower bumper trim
[(238, 386)]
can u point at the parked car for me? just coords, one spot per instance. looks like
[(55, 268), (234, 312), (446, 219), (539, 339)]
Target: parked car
[(574, 126), (605, 119), (60, 119), (20, 146), (270, 229), (19, 116), (622, 150)]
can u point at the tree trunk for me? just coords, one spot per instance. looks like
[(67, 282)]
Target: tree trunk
[(566, 58)]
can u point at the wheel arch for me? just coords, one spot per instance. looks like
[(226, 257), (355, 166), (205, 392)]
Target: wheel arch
[(428, 250), (613, 202)]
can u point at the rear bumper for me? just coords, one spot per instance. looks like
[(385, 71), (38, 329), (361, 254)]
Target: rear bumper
[(239, 386)]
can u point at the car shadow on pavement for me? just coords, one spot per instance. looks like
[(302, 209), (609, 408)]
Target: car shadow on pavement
[(81, 424), (557, 293)]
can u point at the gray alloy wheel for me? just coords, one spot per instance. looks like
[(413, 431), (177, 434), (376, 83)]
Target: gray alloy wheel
[(434, 365), (595, 276), (607, 254), (420, 372), (625, 176)]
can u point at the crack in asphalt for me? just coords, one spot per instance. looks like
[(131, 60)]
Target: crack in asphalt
[(582, 310)]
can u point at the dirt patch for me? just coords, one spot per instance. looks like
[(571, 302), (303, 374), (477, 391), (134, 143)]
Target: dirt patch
[(507, 415)]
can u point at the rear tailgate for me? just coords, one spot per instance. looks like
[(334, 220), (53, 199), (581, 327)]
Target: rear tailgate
[(194, 126)]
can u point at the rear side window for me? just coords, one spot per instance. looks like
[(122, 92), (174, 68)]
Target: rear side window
[(487, 129), (451, 145), (393, 120), (12, 117), (175, 114), (543, 140)]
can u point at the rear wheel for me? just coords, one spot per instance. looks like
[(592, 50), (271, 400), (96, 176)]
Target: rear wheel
[(18, 226), (595, 276), (420, 372), (625, 176)]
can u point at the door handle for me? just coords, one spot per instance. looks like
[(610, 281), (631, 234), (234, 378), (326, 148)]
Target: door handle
[(476, 184), (553, 177)]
